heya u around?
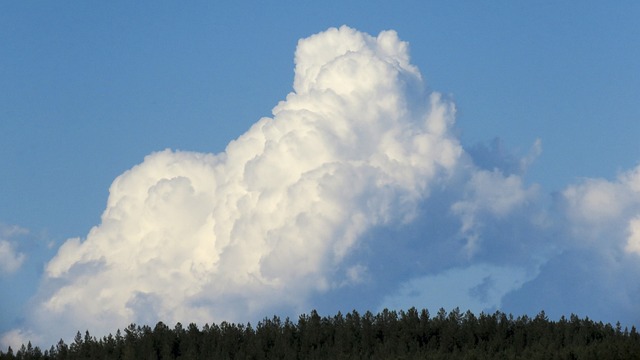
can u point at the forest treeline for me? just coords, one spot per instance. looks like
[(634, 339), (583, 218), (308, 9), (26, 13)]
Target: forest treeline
[(410, 334)]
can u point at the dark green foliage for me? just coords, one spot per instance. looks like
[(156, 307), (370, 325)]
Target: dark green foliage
[(387, 335)]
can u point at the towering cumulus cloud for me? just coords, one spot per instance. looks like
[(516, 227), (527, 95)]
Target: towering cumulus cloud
[(201, 237)]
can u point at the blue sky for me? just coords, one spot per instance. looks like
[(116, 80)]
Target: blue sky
[(89, 89)]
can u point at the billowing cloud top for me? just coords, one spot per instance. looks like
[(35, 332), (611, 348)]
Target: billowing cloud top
[(293, 209)]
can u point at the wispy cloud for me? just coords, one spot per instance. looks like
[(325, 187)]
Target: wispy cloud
[(10, 258)]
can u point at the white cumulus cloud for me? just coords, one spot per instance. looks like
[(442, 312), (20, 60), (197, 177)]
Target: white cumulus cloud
[(597, 266), (604, 213), (202, 237)]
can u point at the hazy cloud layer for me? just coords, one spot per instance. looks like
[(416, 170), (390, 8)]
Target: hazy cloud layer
[(356, 193)]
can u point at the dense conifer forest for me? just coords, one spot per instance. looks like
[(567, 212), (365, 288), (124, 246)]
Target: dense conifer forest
[(410, 334)]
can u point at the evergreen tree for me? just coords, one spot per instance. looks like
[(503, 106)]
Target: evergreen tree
[(386, 335)]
